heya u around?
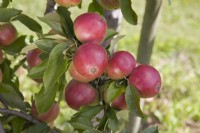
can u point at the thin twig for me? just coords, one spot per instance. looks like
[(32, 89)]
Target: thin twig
[(19, 114), (1, 128), (3, 102), (50, 6), (22, 115)]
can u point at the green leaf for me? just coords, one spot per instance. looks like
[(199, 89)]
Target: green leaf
[(7, 71), (123, 131), (28, 48), (81, 123), (48, 95), (113, 123), (151, 130), (17, 46), (113, 91), (9, 77), (128, 13), (43, 96), (53, 20), (29, 23), (6, 14), (46, 44), (57, 65), (133, 101), (110, 34), (11, 97), (91, 131), (38, 71), (17, 125), (5, 3), (114, 42), (44, 56), (80, 5), (66, 21), (102, 123), (89, 111), (95, 7), (62, 87), (38, 128)]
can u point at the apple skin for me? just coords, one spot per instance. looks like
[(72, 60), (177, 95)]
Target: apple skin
[(68, 3), (146, 79), (8, 34), (78, 94), (33, 58), (77, 76), (90, 60), (119, 102), (109, 4), (90, 27), (120, 65), (1, 75), (48, 116), (1, 56)]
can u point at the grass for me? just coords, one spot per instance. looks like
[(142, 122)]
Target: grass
[(176, 56)]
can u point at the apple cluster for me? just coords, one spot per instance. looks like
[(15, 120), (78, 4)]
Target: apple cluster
[(91, 63)]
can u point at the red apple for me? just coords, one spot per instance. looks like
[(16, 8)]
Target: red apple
[(78, 94), (90, 60), (119, 102), (1, 75), (68, 3), (1, 56), (8, 34), (109, 4), (146, 79), (48, 116), (120, 65), (90, 27), (77, 76), (33, 58)]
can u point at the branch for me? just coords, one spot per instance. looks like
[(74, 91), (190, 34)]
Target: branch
[(22, 115), (50, 6), (1, 128), (3, 102), (19, 114), (145, 49)]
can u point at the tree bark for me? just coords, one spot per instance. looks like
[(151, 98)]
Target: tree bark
[(1, 128), (50, 6), (148, 33), (147, 37), (113, 19)]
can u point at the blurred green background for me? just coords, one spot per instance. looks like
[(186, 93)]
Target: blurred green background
[(176, 56)]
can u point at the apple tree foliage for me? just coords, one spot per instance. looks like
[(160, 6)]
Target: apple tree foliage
[(58, 48)]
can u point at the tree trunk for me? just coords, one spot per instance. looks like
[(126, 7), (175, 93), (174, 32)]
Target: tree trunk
[(50, 6), (148, 34), (113, 19)]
